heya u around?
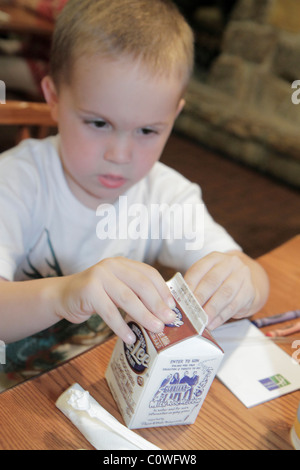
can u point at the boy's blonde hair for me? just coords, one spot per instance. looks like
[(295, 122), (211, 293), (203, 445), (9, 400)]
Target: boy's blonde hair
[(151, 31)]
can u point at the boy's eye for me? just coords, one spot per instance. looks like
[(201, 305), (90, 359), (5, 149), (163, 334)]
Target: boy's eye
[(147, 131), (98, 123)]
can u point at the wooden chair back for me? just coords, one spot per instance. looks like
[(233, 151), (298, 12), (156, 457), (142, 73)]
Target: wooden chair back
[(32, 119)]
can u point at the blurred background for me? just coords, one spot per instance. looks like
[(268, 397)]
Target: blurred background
[(247, 56)]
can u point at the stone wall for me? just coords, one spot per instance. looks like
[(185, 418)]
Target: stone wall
[(244, 106)]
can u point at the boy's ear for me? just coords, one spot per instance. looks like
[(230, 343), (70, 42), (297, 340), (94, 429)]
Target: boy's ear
[(180, 107), (51, 95)]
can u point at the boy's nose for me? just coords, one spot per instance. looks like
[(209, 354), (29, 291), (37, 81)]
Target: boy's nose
[(119, 150)]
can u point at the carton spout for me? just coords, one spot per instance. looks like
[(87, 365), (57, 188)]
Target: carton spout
[(188, 302)]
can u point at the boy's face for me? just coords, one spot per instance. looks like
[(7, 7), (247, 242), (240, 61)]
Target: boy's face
[(114, 120)]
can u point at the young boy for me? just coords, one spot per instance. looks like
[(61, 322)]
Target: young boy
[(119, 69)]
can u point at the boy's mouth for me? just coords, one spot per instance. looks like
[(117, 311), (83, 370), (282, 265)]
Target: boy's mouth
[(112, 181)]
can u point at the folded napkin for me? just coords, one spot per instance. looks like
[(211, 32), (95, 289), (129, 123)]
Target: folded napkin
[(98, 426)]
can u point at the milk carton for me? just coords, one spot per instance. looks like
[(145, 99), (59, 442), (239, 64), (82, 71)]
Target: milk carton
[(162, 379)]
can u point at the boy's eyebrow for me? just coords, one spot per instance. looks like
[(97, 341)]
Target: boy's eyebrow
[(101, 116), (92, 113)]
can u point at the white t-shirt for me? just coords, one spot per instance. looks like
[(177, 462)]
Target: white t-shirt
[(46, 231)]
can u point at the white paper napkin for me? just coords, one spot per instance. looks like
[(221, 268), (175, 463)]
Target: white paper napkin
[(98, 426)]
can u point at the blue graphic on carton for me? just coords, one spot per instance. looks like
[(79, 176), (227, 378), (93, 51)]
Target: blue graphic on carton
[(178, 322), (182, 391)]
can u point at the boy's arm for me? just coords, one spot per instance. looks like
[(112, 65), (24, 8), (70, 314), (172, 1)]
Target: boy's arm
[(30, 306), (228, 285), (24, 308)]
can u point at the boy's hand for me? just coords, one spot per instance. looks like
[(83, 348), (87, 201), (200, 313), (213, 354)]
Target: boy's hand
[(135, 287), (227, 285)]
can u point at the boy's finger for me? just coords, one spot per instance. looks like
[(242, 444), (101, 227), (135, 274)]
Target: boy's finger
[(233, 299), (150, 287), (124, 297), (108, 311), (158, 282), (219, 283), (199, 269)]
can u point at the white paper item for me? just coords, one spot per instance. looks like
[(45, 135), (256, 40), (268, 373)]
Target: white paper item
[(254, 368), (98, 426)]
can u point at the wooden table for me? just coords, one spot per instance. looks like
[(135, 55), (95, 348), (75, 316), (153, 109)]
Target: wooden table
[(21, 20), (30, 420)]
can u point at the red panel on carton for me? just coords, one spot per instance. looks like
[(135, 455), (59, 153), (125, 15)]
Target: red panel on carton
[(181, 329)]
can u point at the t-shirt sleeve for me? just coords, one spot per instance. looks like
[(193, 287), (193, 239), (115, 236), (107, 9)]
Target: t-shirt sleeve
[(188, 230), (17, 206)]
